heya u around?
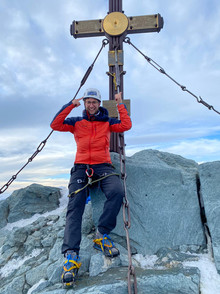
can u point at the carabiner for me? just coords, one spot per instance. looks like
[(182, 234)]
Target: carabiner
[(89, 172)]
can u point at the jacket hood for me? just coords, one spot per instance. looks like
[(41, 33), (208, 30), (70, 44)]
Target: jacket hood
[(102, 115)]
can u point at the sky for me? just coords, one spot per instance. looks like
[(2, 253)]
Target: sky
[(42, 66)]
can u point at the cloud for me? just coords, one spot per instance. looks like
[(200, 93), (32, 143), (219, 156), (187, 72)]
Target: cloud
[(200, 150)]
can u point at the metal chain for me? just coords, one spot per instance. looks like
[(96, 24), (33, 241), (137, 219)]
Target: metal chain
[(43, 143), (161, 70), (39, 149), (132, 281)]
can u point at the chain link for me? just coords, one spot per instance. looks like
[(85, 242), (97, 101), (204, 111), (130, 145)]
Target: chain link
[(132, 281), (39, 149), (43, 143), (161, 70)]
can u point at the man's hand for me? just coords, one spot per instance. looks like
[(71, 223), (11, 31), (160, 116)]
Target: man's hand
[(76, 102), (118, 98)]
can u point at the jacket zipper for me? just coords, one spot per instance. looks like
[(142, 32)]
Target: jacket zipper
[(90, 140)]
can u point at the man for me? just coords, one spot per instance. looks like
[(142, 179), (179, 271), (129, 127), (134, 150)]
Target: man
[(92, 161)]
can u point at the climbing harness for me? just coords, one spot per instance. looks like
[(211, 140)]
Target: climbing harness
[(43, 143), (90, 181), (161, 70)]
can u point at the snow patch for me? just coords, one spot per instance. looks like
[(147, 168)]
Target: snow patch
[(146, 262), (14, 264), (210, 279)]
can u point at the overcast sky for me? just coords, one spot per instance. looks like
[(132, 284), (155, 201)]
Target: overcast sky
[(42, 66)]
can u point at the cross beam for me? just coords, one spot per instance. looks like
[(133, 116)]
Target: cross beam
[(136, 24), (115, 26)]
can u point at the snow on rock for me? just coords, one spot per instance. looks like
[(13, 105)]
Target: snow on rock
[(15, 264), (210, 279), (24, 222), (24, 203)]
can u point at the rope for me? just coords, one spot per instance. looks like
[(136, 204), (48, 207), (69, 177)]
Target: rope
[(43, 143), (91, 182)]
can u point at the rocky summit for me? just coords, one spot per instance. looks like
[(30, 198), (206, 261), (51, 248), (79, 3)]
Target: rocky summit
[(174, 213)]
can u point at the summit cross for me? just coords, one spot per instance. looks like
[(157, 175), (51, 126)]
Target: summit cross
[(115, 26)]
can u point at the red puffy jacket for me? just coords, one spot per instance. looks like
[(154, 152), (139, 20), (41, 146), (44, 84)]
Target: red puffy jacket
[(92, 136)]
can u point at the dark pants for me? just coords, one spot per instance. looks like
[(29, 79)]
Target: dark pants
[(112, 188)]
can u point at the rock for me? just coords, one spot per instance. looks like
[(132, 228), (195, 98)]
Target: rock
[(55, 276), (18, 237), (164, 206), (100, 264), (4, 211), (170, 258), (184, 281), (24, 203), (85, 259), (210, 186), (181, 281), (48, 241), (37, 273), (87, 222), (16, 286), (55, 251), (40, 286), (55, 291)]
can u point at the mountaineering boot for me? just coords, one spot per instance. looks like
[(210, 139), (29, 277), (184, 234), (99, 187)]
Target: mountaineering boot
[(105, 244), (70, 268)]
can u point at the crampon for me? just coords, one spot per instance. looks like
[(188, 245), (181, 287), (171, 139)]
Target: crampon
[(106, 245), (70, 270)]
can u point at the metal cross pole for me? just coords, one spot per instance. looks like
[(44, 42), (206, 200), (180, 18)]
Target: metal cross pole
[(115, 26)]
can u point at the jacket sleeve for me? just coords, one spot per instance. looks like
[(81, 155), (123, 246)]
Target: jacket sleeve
[(60, 123), (122, 125)]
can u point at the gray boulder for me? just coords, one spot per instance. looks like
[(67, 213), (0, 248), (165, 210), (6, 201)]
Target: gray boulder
[(24, 203), (4, 211), (164, 205), (210, 192)]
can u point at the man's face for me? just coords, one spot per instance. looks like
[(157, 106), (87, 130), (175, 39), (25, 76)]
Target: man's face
[(92, 105)]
